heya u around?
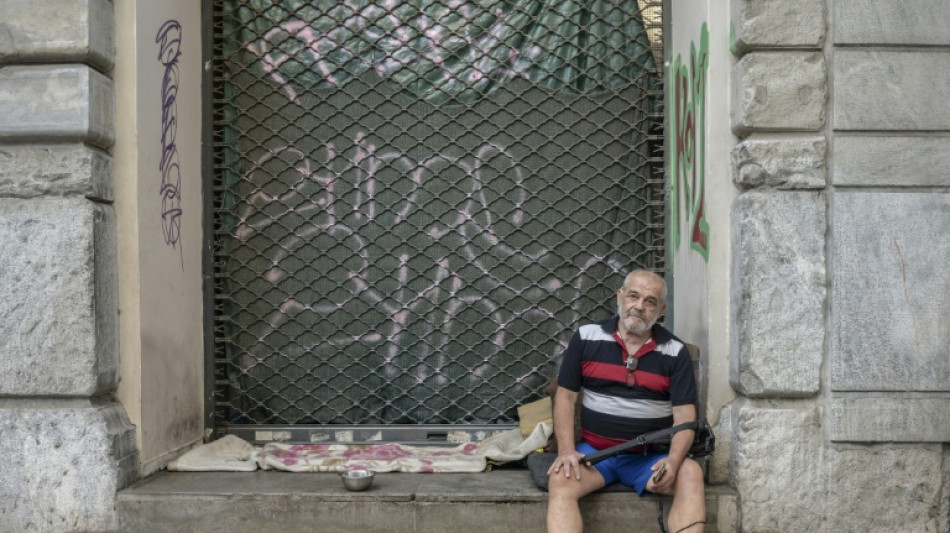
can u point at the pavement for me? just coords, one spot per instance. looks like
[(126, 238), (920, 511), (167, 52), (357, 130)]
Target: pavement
[(503, 500)]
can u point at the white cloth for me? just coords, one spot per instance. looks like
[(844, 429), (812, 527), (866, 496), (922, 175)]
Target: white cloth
[(229, 453)]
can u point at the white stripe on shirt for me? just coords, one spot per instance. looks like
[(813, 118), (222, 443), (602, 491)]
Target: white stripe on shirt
[(593, 332), (627, 408), (671, 347)]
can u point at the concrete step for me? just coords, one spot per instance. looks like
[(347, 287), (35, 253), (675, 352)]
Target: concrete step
[(503, 500)]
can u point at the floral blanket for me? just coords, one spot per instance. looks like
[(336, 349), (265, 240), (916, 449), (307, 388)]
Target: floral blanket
[(234, 454), (377, 457)]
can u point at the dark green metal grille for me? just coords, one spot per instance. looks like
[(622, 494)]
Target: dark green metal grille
[(416, 203)]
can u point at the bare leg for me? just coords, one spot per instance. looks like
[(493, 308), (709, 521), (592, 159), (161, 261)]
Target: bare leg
[(564, 513), (689, 499)]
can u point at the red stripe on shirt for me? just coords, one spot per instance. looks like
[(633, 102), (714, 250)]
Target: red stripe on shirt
[(593, 369), (602, 443), (649, 380), (652, 381)]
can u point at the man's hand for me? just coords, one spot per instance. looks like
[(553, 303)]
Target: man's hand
[(679, 445), (663, 485), (569, 463)]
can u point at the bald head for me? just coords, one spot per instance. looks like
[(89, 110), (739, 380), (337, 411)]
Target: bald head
[(648, 276)]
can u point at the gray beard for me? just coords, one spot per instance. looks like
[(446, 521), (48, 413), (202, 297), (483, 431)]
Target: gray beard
[(629, 326)]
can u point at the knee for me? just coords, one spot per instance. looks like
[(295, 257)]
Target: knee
[(691, 473), (560, 486), (557, 485)]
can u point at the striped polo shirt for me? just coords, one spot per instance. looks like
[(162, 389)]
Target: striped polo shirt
[(619, 405)]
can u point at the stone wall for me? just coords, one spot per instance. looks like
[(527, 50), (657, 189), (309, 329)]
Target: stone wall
[(68, 446), (840, 332)]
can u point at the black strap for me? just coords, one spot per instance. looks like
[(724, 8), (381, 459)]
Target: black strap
[(596, 457)]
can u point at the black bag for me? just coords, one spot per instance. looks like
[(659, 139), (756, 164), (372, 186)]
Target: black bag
[(704, 442)]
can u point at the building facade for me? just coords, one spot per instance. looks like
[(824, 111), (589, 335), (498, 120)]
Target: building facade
[(808, 192)]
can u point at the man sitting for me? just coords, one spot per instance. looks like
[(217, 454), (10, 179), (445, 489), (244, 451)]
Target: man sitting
[(636, 377)]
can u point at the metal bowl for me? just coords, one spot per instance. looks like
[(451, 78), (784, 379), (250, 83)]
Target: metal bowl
[(356, 480)]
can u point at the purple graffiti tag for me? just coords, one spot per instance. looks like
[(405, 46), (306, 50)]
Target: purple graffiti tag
[(169, 51)]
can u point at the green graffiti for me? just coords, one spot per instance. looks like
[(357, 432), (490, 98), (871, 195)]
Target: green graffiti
[(733, 43), (687, 97)]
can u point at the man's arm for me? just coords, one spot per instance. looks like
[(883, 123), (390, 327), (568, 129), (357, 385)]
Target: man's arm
[(679, 447), (568, 458)]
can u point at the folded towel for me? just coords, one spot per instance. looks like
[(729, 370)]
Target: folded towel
[(229, 453)]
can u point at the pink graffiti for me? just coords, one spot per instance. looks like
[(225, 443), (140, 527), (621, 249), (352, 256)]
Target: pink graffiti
[(428, 37), (317, 192)]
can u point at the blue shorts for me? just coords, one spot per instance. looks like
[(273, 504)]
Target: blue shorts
[(631, 469)]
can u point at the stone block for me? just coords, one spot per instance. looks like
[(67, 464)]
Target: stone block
[(776, 456), (781, 163), (58, 292), (500, 501), (905, 161), (883, 488), (61, 103), (28, 171), (889, 304), (891, 90), (872, 22), (765, 24), (718, 465), (779, 91), (778, 293), (890, 418), (727, 513), (791, 480), (62, 467), (943, 517), (62, 31)]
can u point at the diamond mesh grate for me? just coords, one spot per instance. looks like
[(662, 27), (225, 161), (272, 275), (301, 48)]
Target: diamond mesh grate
[(416, 203)]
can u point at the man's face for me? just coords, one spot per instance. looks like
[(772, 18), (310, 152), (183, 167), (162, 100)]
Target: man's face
[(639, 303)]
